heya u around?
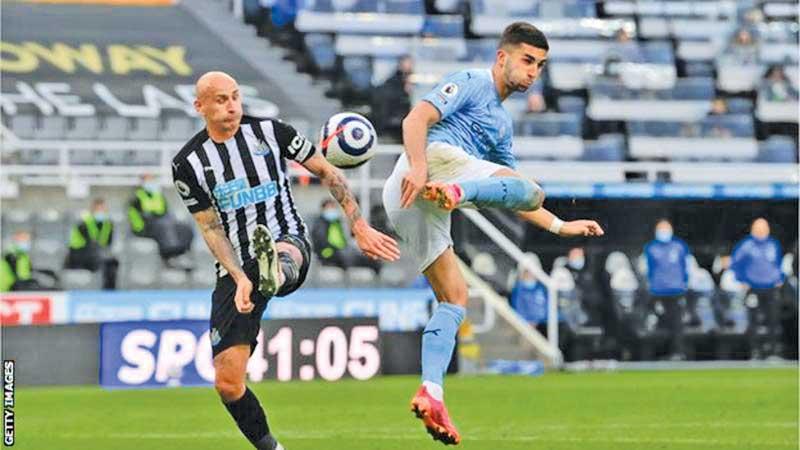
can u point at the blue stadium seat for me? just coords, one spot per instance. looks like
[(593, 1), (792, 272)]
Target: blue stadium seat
[(359, 71), (609, 147), (657, 52), (321, 48), (654, 128), (778, 149), (739, 125), (697, 88), (568, 104), (579, 9), (443, 26), (740, 105), (402, 7), (699, 69), (570, 125)]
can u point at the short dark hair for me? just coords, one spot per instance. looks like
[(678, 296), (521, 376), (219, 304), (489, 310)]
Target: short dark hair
[(523, 33)]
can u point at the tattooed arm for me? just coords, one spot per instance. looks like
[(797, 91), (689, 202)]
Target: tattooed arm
[(372, 243), (220, 246)]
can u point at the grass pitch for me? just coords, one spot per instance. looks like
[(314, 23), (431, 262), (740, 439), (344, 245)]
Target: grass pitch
[(703, 410)]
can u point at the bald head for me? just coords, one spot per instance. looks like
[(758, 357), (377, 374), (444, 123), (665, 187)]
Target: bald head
[(219, 101), (210, 82), (760, 228)]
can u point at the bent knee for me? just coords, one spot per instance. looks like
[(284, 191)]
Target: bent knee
[(534, 196), (229, 391)]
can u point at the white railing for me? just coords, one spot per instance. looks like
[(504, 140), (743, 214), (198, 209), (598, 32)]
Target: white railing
[(518, 255)]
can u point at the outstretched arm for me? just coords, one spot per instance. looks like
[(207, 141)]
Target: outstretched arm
[(548, 221), (372, 242), (214, 234)]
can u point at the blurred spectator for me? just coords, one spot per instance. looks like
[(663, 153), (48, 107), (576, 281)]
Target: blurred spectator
[(529, 299), (752, 20), (719, 107), (742, 49), (16, 270), (756, 261), (331, 242), (391, 101), (714, 126), (776, 86), (149, 218), (625, 49), (668, 277), (589, 292), (90, 244)]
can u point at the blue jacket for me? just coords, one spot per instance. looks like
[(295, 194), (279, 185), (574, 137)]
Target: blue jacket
[(758, 262), (667, 273), (530, 302)]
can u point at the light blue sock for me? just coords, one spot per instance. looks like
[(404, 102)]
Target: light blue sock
[(438, 341), (518, 194)]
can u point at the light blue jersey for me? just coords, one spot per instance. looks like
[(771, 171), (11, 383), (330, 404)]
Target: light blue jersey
[(473, 117)]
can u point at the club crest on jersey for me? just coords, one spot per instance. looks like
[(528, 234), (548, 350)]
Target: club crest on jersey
[(262, 149), (450, 89), (237, 193)]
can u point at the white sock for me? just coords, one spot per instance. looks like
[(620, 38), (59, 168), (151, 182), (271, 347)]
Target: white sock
[(435, 390)]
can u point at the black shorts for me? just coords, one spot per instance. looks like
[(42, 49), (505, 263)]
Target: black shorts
[(228, 326)]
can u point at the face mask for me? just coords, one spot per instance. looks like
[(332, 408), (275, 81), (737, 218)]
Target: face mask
[(663, 235), (24, 246), (577, 263), (527, 284), (151, 187), (100, 217), (330, 214)]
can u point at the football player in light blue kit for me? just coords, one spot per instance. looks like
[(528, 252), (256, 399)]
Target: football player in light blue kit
[(458, 152)]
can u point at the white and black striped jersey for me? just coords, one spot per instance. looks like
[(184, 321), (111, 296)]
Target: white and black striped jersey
[(244, 179)]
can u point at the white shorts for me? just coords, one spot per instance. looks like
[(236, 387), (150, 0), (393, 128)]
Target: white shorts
[(424, 228)]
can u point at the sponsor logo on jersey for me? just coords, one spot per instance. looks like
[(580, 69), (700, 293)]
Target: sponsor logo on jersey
[(237, 193)]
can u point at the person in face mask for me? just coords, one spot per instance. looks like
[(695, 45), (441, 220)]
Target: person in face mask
[(668, 277), (90, 244), (331, 242), (529, 299), (149, 217), (756, 261), (15, 267)]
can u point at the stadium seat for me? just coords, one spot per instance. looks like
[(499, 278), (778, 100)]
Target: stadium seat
[(392, 276), (443, 26), (402, 7), (738, 105), (330, 276), (739, 125), (608, 147), (321, 49), (52, 128), (79, 279), (83, 128), (144, 129), (654, 128), (697, 88), (40, 157), (358, 71), (115, 128), (172, 278), (778, 149), (178, 128), (23, 125), (360, 277), (204, 275), (575, 105)]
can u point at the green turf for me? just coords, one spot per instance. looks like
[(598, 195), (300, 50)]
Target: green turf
[(747, 409)]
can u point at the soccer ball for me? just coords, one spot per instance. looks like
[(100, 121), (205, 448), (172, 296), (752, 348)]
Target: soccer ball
[(348, 140)]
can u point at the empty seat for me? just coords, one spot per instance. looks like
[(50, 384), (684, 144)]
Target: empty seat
[(568, 104), (654, 128), (443, 26), (358, 71), (115, 128), (330, 276), (144, 128), (177, 129), (23, 126), (52, 128), (360, 277), (739, 125), (83, 128), (778, 149), (740, 105), (321, 49), (606, 148), (402, 7), (696, 88), (79, 279)]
